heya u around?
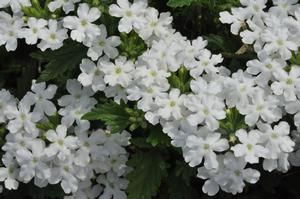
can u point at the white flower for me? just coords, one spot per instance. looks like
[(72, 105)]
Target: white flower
[(249, 148), (65, 172), (9, 173), (16, 5), (236, 19), (67, 5), (118, 73), (33, 163), (117, 92), (17, 141), (6, 101), (235, 173), (192, 50), (253, 35), (114, 143), (279, 41), (61, 144), (10, 29), (86, 191), (204, 144), (238, 89), (21, 118), (283, 7), (104, 44), (207, 62), (169, 106), (41, 98), (89, 147), (230, 175), (131, 14), (82, 26), (254, 8), (294, 108), (264, 67), (92, 75), (151, 74), (114, 186), (208, 109), (154, 24), (53, 36), (77, 93), (33, 32), (145, 95), (287, 84), (276, 139), (75, 112), (164, 54), (201, 87), (262, 105)]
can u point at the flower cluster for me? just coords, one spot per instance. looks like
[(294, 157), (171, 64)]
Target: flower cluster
[(264, 94), (86, 163)]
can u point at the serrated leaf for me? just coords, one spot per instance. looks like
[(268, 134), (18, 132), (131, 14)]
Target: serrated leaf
[(146, 178), (60, 61), (157, 137), (179, 182), (112, 114)]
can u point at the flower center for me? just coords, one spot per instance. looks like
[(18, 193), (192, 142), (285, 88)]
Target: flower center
[(11, 170), (53, 36), (206, 111), (206, 146), (97, 72), (249, 147), (274, 135), (153, 24), (66, 168), (60, 142), (34, 160), (289, 81), (128, 13), (256, 8), (83, 22), (259, 108), (86, 144), (11, 34), (23, 116), (118, 70), (269, 66), (34, 30), (101, 43), (172, 103), (237, 173), (153, 73), (280, 42)]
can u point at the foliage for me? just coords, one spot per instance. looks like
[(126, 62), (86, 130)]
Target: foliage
[(149, 170), (61, 62)]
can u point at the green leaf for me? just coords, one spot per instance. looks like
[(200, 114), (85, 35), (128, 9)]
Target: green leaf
[(157, 137), (295, 60), (112, 114), (60, 61), (233, 122), (221, 43), (181, 80), (149, 171), (180, 3), (131, 45), (179, 182)]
